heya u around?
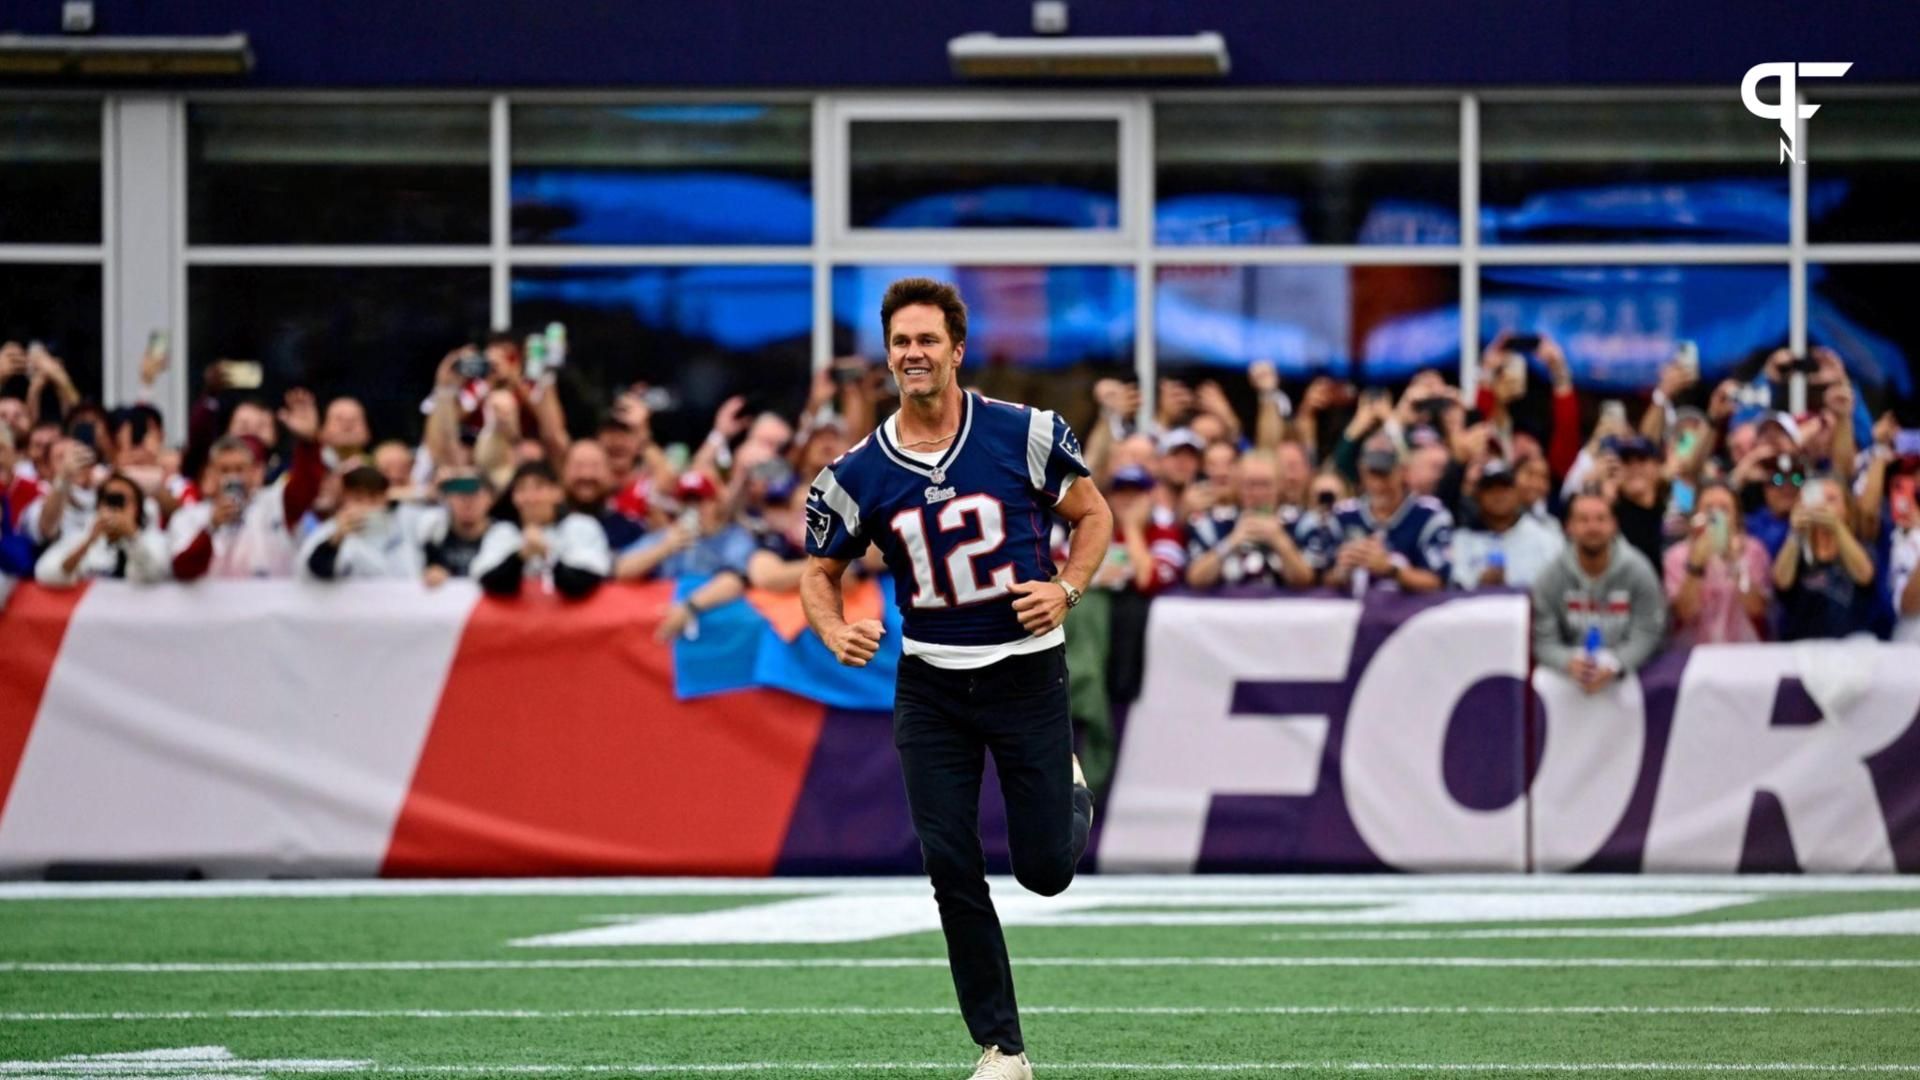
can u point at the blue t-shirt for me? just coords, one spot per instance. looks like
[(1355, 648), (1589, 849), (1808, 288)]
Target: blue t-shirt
[(957, 534), (728, 549)]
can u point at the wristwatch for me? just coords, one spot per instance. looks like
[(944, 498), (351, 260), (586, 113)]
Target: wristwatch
[(1073, 594)]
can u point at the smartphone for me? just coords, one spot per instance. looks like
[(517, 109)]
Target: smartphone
[(473, 364), (1523, 343), (157, 344), (1517, 370), (241, 374), (1906, 442), (1613, 410), (556, 344), (533, 356), (1900, 493), (1686, 354), (1717, 525), (1813, 496)]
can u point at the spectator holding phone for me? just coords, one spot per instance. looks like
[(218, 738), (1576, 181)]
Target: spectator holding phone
[(451, 534), (1822, 574), (71, 492), (536, 539), (1389, 536), (1904, 557), (1719, 580), (703, 543), (366, 539), (242, 527), (1254, 545), (1510, 547), (120, 541)]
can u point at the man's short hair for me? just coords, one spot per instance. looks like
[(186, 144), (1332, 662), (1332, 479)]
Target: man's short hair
[(919, 290), (364, 480), (228, 444), (1593, 493)]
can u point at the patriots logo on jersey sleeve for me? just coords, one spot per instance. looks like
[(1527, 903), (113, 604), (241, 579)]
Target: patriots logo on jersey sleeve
[(818, 523), (1070, 445)]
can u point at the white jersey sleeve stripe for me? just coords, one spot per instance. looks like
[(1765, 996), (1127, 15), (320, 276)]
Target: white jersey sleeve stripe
[(827, 486), (1039, 446)]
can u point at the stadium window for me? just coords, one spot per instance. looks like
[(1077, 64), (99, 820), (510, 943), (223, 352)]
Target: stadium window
[(57, 304), (1040, 335), (308, 174), (1260, 172), (50, 187), (376, 332), (695, 334), (1053, 173), (1629, 171), (1864, 312), (662, 174), (1862, 171), (1619, 324), (1370, 325)]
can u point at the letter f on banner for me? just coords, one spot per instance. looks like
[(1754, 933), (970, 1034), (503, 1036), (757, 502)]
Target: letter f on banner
[(1789, 96)]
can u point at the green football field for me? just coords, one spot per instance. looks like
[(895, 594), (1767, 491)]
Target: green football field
[(1299, 977)]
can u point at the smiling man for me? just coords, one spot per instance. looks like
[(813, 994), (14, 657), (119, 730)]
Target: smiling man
[(960, 491)]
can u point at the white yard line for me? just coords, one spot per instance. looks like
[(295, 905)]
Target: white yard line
[(1102, 885), (1029, 1010), (866, 962), (185, 1068)]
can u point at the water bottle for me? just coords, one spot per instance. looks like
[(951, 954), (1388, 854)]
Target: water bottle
[(1593, 644), (556, 344), (535, 356)]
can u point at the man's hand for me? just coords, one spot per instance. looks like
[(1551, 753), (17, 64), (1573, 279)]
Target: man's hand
[(226, 510), (1886, 430), (1319, 396), (730, 420), (435, 576), (152, 366), (115, 525), (1493, 577), (13, 360), (533, 542), (1720, 405), (1592, 675), (1041, 607), (42, 364), (301, 415), (350, 520), (1838, 400), (1174, 402), (1675, 379), (673, 622), (76, 461), (855, 643), (1137, 516), (1254, 529), (1262, 377), (1555, 358)]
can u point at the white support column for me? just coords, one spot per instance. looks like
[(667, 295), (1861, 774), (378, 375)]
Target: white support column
[(143, 245), (1469, 245), (1797, 268), (500, 207), (1146, 283), (825, 206)]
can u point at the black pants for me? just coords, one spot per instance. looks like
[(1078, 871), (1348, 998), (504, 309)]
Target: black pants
[(943, 723)]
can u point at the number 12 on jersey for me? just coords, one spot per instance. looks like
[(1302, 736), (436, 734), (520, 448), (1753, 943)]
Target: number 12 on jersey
[(962, 576)]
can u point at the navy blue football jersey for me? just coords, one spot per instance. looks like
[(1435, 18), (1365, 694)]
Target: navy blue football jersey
[(1420, 531), (1312, 532), (960, 532)]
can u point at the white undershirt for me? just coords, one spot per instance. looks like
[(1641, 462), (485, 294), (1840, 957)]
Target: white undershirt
[(966, 657)]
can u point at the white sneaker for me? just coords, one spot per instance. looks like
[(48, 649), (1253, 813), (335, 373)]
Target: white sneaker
[(995, 1064)]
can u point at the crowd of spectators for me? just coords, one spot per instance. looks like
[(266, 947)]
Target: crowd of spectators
[(1714, 515)]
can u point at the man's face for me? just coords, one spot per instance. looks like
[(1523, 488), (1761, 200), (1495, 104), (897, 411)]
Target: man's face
[(13, 415), (1782, 492), (467, 509), (395, 462), (1425, 467), (231, 467), (345, 428), (1499, 504), (588, 477), (1718, 500), (1259, 486), (924, 359), (503, 364), (623, 449), (1180, 467), (1383, 487), (1531, 479), (250, 419), (1218, 464), (1591, 526), (40, 446), (714, 515)]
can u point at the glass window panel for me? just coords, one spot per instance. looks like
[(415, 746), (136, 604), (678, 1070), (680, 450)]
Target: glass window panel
[(1264, 173), (337, 174), (1865, 312), (984, 174), (375, 333), (1372, 325), (1618, 324), (1629, 172), (662, 174), (50, 185), (701, 333), (59, 306), (1040, 335), (1863, 168)]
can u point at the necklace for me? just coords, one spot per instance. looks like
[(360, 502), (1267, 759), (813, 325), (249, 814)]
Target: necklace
[(928, 442)]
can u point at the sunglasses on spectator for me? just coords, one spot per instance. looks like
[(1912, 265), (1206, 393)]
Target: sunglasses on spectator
[(1785, 479), (460, 485), (114, 500)]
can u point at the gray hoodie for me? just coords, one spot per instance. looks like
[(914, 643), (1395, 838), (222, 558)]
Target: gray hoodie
[(1626, 601)]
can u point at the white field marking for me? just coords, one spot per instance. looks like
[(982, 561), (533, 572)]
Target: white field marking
[(88, 1068), (1852, 924), (1221, 887), (1030, 1010), (842, 918), (863, 962)]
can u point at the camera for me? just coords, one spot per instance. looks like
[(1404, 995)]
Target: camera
[(1523, 343), (473, 364)]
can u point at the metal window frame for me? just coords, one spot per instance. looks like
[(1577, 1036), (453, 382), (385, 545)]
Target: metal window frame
[(833, 244)]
